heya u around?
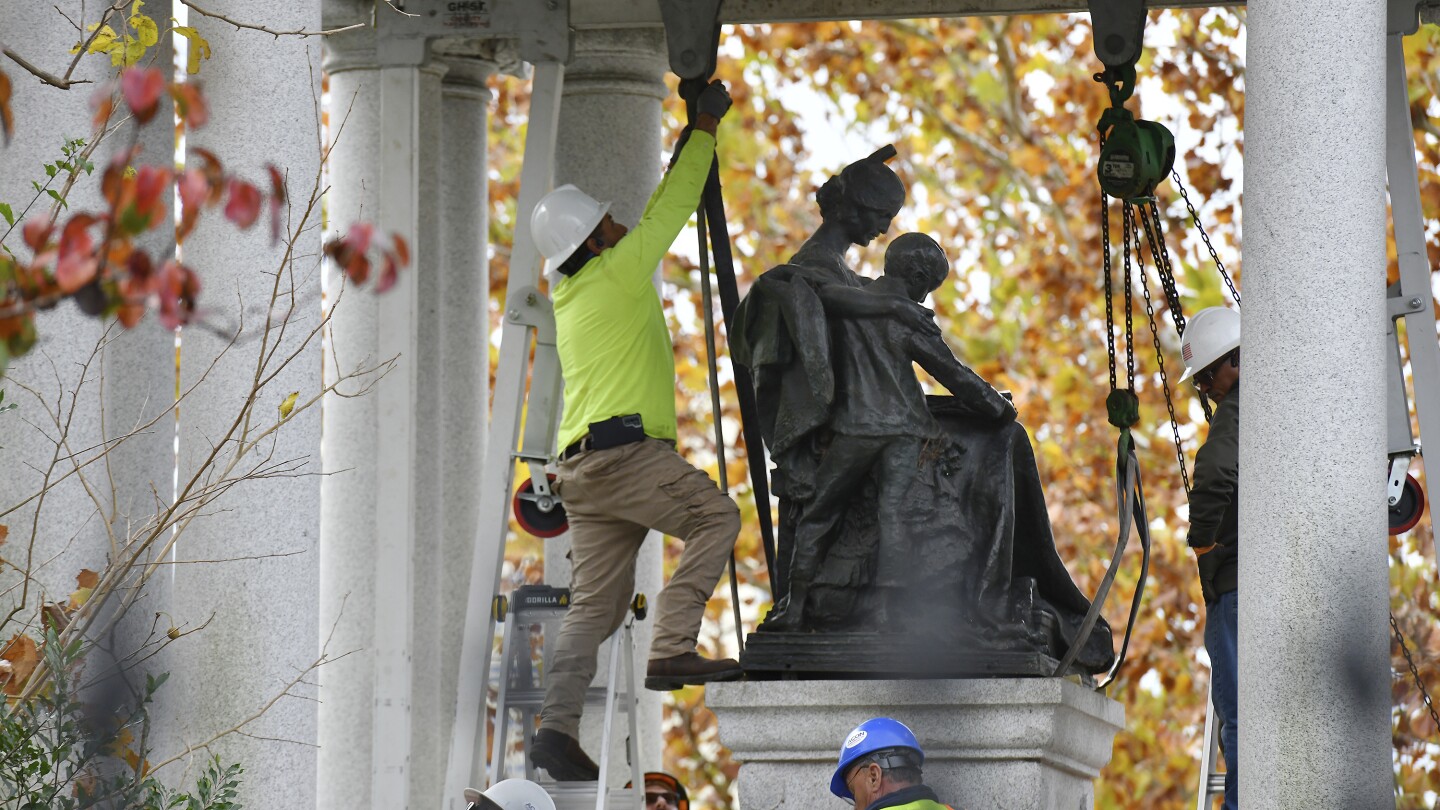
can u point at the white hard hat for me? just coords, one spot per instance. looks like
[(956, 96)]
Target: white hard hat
[(1210, 334), (563, 219), (511, 794)]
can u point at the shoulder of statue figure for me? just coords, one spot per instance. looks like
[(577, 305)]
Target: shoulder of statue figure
[(779, 274)]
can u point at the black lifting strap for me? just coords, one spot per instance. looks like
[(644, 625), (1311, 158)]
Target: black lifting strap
[(1124, 410), (714, 208)]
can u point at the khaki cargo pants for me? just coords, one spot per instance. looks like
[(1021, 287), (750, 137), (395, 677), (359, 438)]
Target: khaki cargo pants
[(612, 498)]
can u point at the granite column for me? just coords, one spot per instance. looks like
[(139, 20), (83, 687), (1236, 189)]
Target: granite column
[(1314, 586)]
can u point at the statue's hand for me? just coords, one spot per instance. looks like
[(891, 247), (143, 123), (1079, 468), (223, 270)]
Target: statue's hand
[(916, 317)]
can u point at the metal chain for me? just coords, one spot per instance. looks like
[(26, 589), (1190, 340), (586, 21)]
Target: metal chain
[(1166, 271), (1127, 224), (1109, 284), (1155, 230), (1414, 671), (1160, 352), (1163, 267), (1109, 272), (1205, 237)]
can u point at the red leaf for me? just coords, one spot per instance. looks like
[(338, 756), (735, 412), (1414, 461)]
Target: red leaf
[(134, 289), (177, 287), (214, 172), (244, 206), (152, 187), (142, 88), (7, 119), (277, 200), (36, 233), (358, 268), (402, 250), (194, 192), (12, 326), (130, 313), (114, 184), (102, 101), (190, 104), (389, 274), (141, 268), (361, 233), (77, 263)]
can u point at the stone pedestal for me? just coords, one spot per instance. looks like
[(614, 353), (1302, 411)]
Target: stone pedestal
[(1008, 742)]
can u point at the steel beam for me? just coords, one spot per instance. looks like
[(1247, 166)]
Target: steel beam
[(632, 13)]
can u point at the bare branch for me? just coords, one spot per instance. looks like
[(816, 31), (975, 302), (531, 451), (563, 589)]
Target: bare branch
[(277, 555), (65, 82), (272, 32), (396, 9), (299, 680)]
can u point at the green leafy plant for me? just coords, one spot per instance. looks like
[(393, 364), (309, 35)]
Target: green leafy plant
[(74, 159), (59, 752)]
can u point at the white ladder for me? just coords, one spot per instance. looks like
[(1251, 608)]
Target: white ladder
[(529, 321), (1212, 783), (532, 616)]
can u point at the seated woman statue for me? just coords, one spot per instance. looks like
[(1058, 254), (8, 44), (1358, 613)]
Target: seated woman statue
[(900, 513), (782, 332)]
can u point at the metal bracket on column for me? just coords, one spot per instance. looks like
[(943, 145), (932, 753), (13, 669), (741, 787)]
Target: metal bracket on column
[(1119, 30), (1401, 441), (1412, 298), (1405, 16), (530, 308), (542, 27), (692, 31)]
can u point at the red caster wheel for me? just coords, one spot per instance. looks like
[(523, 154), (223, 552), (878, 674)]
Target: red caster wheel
[(540, 515), (1406, 511)]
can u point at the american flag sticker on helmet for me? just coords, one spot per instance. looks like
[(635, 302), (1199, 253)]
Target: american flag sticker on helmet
[(1185, 351)]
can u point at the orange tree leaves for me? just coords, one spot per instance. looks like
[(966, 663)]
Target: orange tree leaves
[(994, 119), (20, 657)]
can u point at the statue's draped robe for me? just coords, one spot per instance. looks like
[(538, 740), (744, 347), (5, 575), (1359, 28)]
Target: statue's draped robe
[(986, 571)]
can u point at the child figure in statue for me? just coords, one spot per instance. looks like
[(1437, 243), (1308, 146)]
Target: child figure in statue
[(880, 421)]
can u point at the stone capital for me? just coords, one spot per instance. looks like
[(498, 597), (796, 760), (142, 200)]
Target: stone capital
[(629, 61)]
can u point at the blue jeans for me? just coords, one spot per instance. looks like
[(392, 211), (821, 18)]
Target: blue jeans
[(1222, 632)]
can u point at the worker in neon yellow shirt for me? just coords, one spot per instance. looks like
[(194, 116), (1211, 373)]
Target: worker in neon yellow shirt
[(619, 474)]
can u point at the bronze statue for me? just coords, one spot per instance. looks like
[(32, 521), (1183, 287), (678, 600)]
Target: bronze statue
[(912, 528)]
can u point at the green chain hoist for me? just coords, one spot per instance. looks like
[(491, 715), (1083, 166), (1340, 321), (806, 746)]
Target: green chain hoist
[(1137, 155)]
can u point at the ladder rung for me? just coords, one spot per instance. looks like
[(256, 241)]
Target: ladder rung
[(581, 795), (535, 698)]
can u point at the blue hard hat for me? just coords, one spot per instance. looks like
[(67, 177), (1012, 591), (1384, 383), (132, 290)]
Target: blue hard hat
[(871, 736)]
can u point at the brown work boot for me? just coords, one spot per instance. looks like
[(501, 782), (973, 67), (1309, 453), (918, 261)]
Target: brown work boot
[(666, 674), (561, 756)]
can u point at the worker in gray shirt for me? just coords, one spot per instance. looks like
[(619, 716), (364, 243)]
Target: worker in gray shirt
[(1211, 350)]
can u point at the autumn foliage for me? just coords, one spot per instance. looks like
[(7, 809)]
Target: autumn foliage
[(994, 120), (95, 258)]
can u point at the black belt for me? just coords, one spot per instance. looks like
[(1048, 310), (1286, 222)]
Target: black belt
[(577, 447), (586, 443)]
